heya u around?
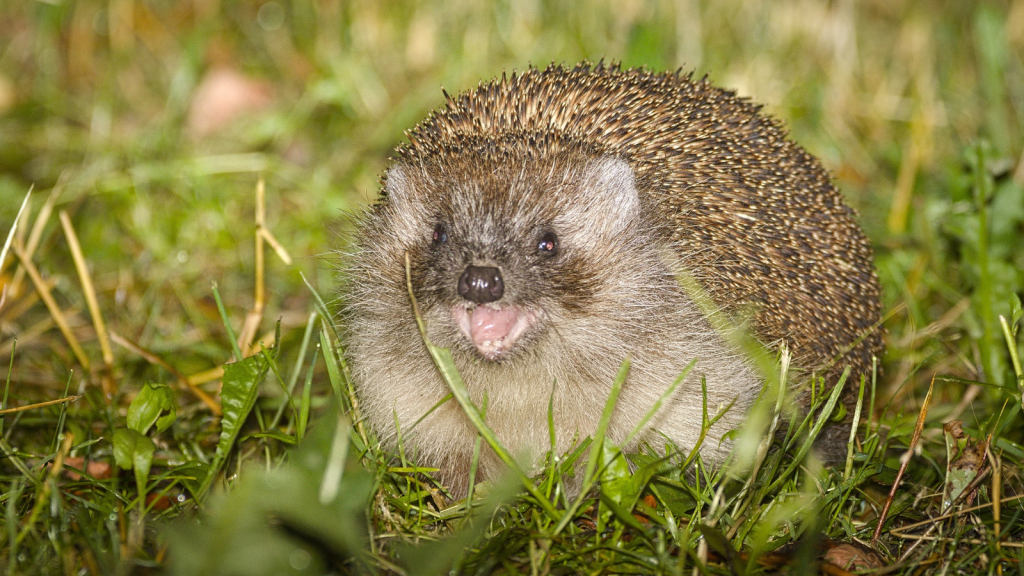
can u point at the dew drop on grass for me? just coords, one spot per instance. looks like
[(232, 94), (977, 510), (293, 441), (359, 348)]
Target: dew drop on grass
[(299, 559), (270, 16)]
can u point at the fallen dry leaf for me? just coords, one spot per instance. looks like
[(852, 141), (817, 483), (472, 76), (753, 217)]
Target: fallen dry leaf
[(965, 460), (223, 95), (853, 556), (97, 469)]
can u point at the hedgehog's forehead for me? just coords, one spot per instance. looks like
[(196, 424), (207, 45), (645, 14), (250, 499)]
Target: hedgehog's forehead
[(499, 200), (487, 189)]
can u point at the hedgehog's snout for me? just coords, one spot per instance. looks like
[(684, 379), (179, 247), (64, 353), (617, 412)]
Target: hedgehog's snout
[(481, 284)]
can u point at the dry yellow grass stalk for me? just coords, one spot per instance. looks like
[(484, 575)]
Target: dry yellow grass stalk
[(44, 292), (91, 301), (206, 376), (87, 287), (14, 227), (36, 235), (276, 245), (255, 315)]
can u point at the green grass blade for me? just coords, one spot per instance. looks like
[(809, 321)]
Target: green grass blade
[(596, 447), (333, 374), (293, 378), (227, 323), (823, 417), (442, 358), (320, 306), (307, 392)]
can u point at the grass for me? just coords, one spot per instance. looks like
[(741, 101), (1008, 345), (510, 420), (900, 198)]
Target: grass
[(132, 444)]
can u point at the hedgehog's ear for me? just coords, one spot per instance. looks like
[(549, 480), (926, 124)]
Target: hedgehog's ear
[(613, 187)]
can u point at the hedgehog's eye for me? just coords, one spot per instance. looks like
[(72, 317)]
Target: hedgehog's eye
[(440, 234), (548, 243)]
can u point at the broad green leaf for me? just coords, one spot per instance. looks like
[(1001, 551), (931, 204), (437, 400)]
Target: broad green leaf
[(615, 476), (128, 443), (675, 497), (615, 486), (154, 404), (238, 395), (134, 451), (963, 471), (641, 478), (240, 387), (620, 488)]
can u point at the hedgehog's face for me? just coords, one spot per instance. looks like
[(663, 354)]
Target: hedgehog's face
[(498, 257)]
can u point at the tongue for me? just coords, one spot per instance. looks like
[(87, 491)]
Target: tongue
[(490, 326)]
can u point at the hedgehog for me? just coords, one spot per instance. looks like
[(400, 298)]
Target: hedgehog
[(547, 218)]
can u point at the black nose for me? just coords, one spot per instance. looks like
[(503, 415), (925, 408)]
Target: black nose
[(481, 284)]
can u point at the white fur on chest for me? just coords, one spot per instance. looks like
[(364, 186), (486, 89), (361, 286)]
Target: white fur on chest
[(516, 395)]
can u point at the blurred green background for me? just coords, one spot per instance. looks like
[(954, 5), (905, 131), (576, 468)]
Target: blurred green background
[(157, 117)]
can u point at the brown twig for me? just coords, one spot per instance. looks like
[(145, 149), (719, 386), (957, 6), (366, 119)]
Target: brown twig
[(51, 305), (927, 538), (154, 359), (934, 522), (904, 461), (899, 531), (997, 480), (90, 299), (39, 405)]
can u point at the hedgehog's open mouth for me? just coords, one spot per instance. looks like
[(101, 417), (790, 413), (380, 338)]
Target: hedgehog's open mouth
[(493, 330)]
